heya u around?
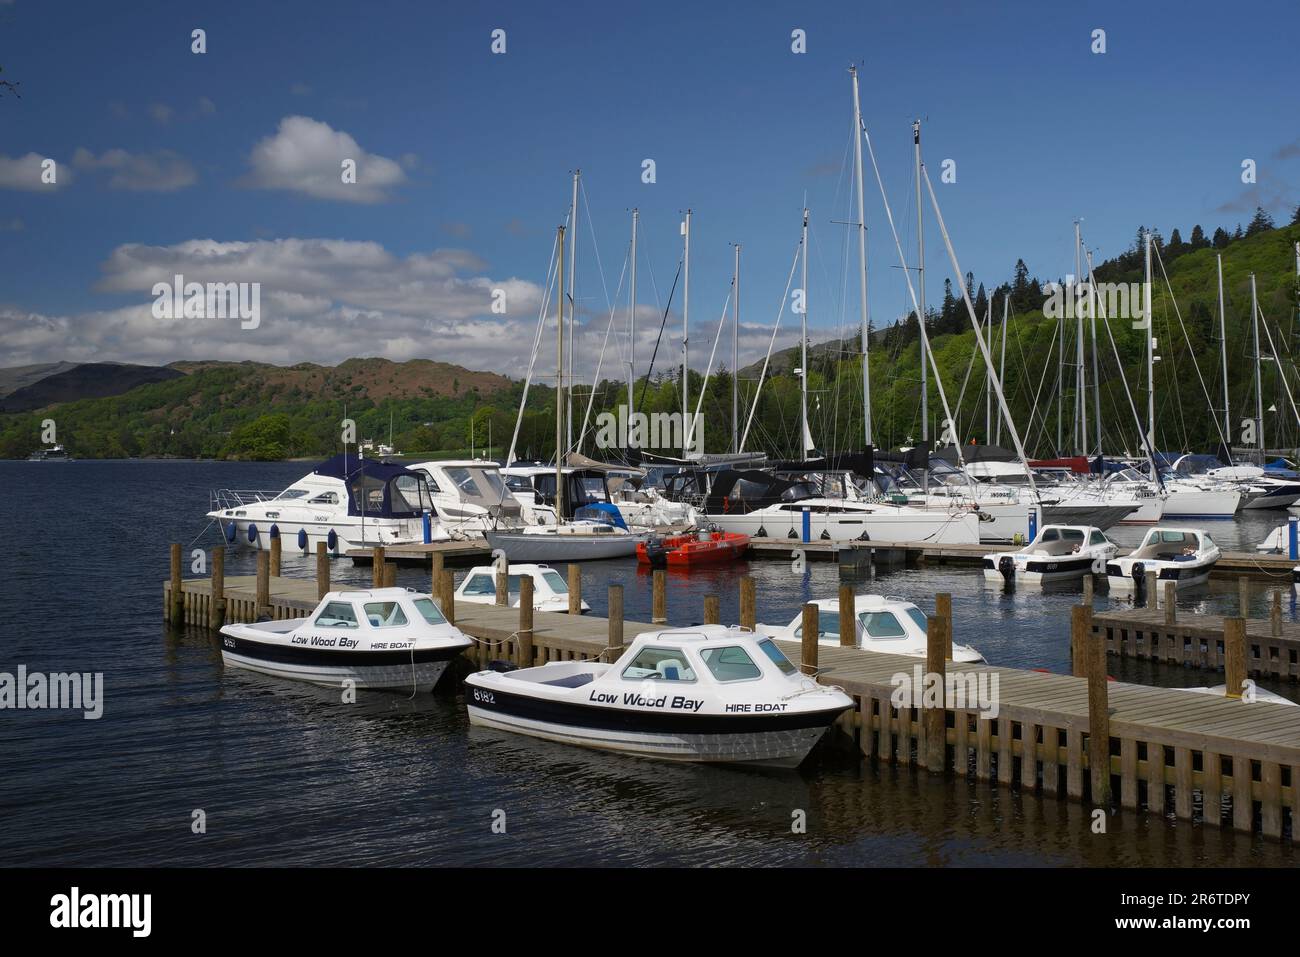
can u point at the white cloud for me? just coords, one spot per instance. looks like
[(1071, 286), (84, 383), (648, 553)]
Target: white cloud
[(160, 113), (163, 171), (300, 89), (24, 172), (306, 156), (325, 300), (206, 105)]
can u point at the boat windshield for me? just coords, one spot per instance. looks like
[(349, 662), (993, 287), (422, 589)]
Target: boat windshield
[(731, 663), (557, 582), (918, 617), (882, 624), (781, 661), (429, 611)]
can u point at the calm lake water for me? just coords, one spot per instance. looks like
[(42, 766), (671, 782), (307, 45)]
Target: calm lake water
[(285, 774)]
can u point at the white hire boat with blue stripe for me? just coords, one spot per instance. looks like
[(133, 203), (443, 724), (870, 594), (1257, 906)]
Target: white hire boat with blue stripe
[(1184, 556), (379, 638), (1057, 553), (708, 693)]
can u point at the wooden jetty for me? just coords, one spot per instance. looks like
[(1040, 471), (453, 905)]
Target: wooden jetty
[(1212, 759)]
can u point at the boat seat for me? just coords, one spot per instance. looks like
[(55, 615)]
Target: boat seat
[(376, 621), (670, 669), (572, 681)]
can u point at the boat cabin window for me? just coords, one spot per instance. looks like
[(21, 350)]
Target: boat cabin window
[(429, 611), (1098, 538), (517, 483), (325, 498), (430, 481), (480, 584), (337, 614), (292, 493), (557, 582), (409, 494), (731, 663), (828, 625), (1050, 535), (882, 624), (385, 614), (661, 664), (781, 661)]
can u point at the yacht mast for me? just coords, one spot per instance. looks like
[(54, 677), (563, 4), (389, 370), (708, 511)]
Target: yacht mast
[(559, 383), (735, 357), (1151, 343), (686, 310), (1259, 389), (1223, 352), (573, 292), (920, 288), (1002, 363), (803, 342), (631, 324), (1096, 375), (988, 381), (1081, 381), (862, 256)]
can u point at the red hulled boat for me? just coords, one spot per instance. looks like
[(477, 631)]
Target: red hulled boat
[(700, 548)]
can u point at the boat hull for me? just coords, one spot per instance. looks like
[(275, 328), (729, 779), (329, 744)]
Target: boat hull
[(346, 536), (394, 670), (1040, 569), (1120, 577), (520, 547), (778, 740), (962, 528)]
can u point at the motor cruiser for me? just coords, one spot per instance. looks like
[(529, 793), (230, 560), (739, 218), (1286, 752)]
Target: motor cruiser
[(380, 638), (550, 590), (55, 453), (886, 624), (470, 496), (1184, 556), (346, 502), (708, 693), (1057, 553)]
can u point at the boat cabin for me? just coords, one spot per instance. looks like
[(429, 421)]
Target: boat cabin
[(1062, 540), (1172, 545)]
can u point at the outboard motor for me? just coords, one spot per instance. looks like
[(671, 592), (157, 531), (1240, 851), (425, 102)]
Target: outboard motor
[(499, 665), (1007, 568), (656, 552), (1139, 577)]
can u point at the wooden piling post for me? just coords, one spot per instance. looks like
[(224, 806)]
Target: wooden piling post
[(1243, 596), (1234, 656), (1080, 635), (377, 566), (503, 586), (277, 546), (659, 597), (262, 605), (322, 570), (934, 718), (1089, 583), (712, 610), (808, 651), (1152, 596), (177, 607), (447, 595), (1171, 603), (390, 575), (748, 603), (848, 617), (614, 643), (217, 606), (525, 622), (436, 564), (943, 609), (1098, 721), (575, 589), (1275, 613)]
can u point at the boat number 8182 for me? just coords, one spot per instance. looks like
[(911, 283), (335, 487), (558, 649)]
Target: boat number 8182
[(484, 696)]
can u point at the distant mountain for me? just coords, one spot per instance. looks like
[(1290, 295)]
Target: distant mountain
[(89, 380), (16, 377)]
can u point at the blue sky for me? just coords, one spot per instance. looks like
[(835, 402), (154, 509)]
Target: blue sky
[(479, 147)]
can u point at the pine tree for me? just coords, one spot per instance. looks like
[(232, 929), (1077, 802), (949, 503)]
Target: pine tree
[(1295, 217), (1221, 238), (1175, 242), (1260, 222), (948, 314), (981, 303), (1020, 288), (1198, 237), (1238, 234)]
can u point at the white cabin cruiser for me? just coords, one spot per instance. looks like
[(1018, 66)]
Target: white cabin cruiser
[(1057, 553), (346, 502), (470, 496), (894, 626), (1184, 556), (708, 693), (378, 638), (550, 590), (570, 541)]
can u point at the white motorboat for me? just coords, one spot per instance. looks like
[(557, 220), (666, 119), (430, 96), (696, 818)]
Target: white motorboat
[(709, 694), (550, 590), (380, 638), (1057, 553), (470, 496), (346, 502), (891, 625), (845, 521), (570, 541), (55, 453), (1191, 499), (1184, 556)]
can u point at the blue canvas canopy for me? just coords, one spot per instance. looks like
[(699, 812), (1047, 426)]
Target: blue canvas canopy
[(376, 488), (602, 512)]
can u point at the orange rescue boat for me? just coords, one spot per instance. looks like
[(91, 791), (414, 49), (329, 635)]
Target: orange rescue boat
[(701, 548)]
